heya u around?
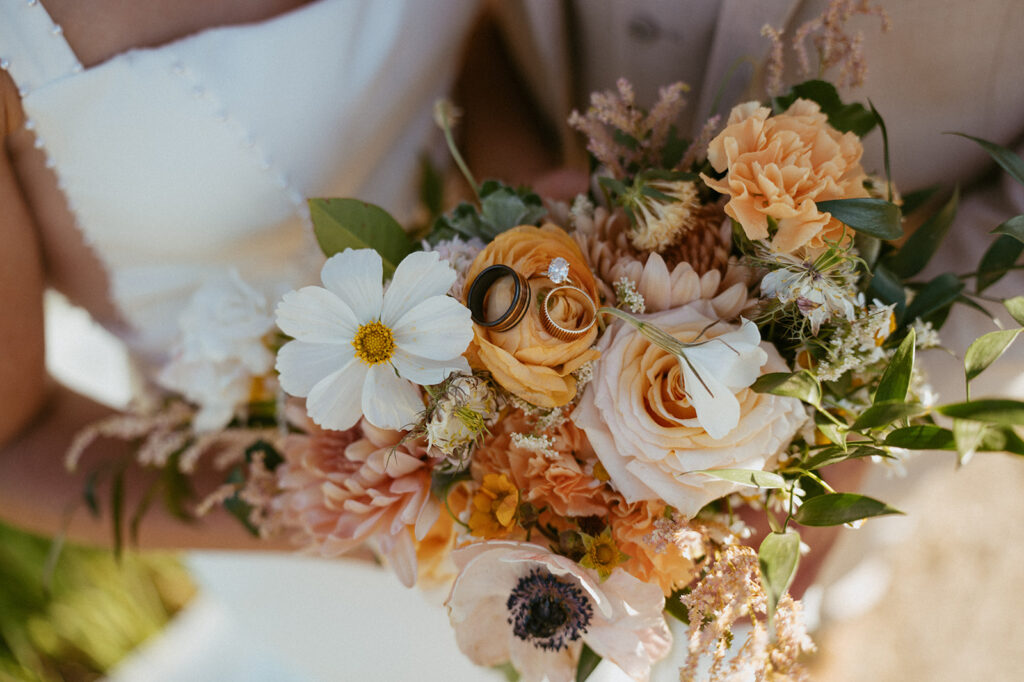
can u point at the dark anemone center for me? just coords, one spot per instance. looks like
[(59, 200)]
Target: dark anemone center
[(548, 611)]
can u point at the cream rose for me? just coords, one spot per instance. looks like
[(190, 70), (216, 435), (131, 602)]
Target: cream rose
[(779, 166), (644, 429), (526, 360)]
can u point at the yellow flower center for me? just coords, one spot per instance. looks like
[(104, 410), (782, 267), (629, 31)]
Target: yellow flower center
[(374, 343)]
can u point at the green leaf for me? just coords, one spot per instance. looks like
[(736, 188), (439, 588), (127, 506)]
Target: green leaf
[(1002, 439), (992, 411), (997, 261), (888, 288), (921, 437), (968, 436), (986, 349), (830, 430), (852, 118), (922, 244), (829, 456), (675, 607), (778, 557), (885, 149), (1010, 162), (883, 414), (750, 477), (588, 661), (834, 509), (1015, 306), (802, 385), (508, 670), (876, 217), (937, 295), (117, 510), (342, 224), (140, 510), (1014, 227), (896, 379), (238, 507)]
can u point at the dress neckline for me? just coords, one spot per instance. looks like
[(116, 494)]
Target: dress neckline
[(57, 33)]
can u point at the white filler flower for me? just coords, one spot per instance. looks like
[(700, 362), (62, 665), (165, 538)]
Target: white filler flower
[(359, 350)]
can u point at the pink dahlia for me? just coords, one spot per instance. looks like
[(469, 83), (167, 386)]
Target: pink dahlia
[(343, 488)]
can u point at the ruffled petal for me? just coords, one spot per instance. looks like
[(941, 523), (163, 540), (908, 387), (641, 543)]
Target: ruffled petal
[(356, 276), (333, 402), (302, 365), (438, 328), (317, 315), (389, 401), (418, 277)]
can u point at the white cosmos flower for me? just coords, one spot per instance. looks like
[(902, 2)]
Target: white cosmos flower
[(359, 350)]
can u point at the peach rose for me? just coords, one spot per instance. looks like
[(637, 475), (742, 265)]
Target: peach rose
[(526, 360), (779, 166), (645, 431)]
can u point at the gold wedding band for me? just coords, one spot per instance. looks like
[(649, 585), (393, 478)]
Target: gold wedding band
[(555, 329)]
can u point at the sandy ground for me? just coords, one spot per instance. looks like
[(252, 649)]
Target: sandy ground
[(953, 610)]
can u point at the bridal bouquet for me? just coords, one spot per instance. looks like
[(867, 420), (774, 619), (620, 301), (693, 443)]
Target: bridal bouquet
[(570, 416)]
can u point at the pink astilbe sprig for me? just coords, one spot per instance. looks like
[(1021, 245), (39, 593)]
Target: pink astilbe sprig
[(835, 44), (729, 592), (617, 111)]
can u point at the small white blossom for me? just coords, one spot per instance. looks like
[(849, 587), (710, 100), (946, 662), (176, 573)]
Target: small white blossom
[(926, 335), (627, 294), (542, 444), (220, 351), (822, 289), (461, 415)]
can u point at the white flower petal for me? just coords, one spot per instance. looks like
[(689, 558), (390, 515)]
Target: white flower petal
[(717, 409), (439, 328), (356, 276), (736, 356), (537, 665), (317, 315), (419, 276), (389, 401), (426, 372), (334, 402), (303, 365)]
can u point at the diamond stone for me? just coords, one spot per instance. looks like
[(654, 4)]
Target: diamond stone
[(558, 271)]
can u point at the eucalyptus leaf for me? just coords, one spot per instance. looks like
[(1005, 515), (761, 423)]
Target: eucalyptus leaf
[(778, 557), (992, 410), (876, 217), (997, 261), (882, 414), (986, 349), (749, 477), (1014, 227), (829, 456), (896, 378), (1010, 162), (937, 295), (802, 385), (830, 430), (1015, 306), (834, 509), (921, 437), (675, 607), (1002, 439), (342, 224), (922, 244)]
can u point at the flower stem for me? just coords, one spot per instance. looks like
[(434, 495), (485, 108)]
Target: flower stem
[(444, 115)]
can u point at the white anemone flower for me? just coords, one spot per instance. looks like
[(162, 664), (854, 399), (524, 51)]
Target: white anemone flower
[(518, 602), (360, 350)]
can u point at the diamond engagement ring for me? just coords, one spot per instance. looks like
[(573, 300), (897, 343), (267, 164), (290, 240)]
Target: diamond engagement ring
[(477, 299), (558, 273)]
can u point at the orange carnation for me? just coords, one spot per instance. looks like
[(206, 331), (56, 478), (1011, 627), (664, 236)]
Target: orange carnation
[(526, 360), (779, 166)]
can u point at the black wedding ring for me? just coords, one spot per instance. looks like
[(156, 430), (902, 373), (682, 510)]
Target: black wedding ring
[(477, 298)]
